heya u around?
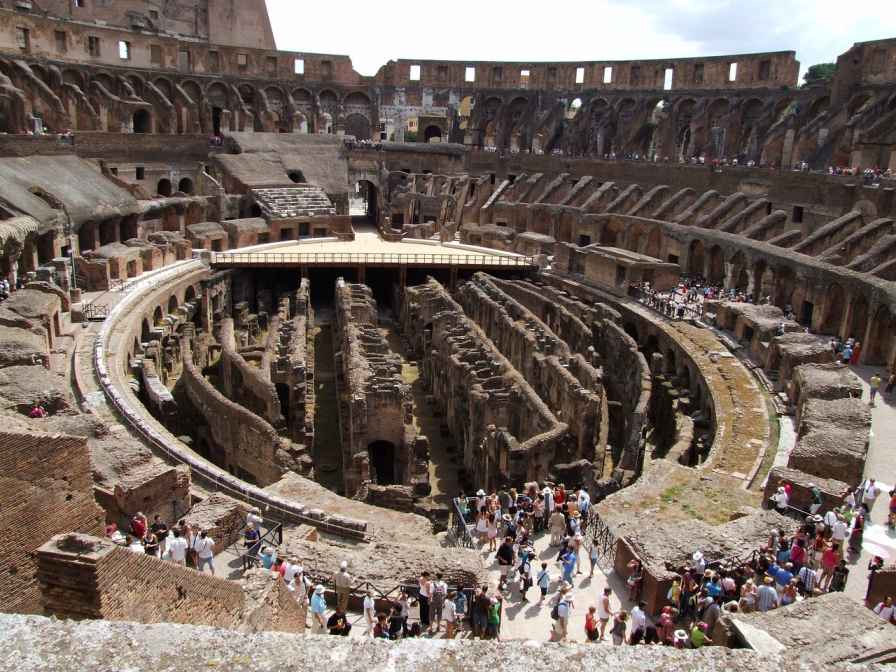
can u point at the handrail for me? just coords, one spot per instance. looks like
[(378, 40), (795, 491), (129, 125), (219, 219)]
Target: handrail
[(250, 558), (390, 258), (458, 527)]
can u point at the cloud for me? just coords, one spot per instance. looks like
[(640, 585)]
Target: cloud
[(372, 34)]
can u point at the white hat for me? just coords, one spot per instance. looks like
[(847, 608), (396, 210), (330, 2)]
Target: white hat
[(480, 493), (343, 564), (781, 489), (698, 556), (319, 589)]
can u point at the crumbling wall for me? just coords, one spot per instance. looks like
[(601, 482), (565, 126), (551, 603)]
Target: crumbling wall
[(376, 404)]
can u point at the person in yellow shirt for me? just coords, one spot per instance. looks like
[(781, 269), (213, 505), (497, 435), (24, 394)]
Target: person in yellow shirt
[(875, 386)]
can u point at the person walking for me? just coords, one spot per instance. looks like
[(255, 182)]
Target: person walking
[(424, 593), (874, 384), (604, 613), (343, 584), (318, 609), (437, 604), (204, 546), (370, 612)]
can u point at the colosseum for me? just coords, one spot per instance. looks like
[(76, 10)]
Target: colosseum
[(286, 350)]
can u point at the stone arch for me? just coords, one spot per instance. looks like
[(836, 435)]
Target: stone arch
[(157, 316), (858, 317), (192, 89), (142, 121), (716, 269), (73, 77), (819, 105), (172, 304), (185, 186), (857, 102), (356, 99), (431, 132), (383, 462), (834, 306), (740, 278), (358, 125), (247, 94), (879, 346), (190, 294), (329, 100), (217, 95), (696, 257), (164, 187), (164, 85)]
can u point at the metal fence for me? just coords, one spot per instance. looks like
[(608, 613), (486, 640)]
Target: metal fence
[(598, 533), (252, 557), (458, 527), (366, 259)]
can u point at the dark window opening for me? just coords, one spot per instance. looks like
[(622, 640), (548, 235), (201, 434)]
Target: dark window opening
[(797, 214), (382, 462), (141, 173), (303, 230)]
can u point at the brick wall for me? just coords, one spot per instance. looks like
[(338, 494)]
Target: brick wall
[(45, 488), (89, 577)]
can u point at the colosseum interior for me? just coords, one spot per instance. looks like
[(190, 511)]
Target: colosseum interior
[(237, 282)]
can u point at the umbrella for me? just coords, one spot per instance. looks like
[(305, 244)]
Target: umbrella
[(872, 548)]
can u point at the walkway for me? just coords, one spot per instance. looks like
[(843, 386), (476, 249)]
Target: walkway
[(880, 465)]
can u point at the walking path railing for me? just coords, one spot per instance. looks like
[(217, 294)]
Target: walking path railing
[(366, 259)]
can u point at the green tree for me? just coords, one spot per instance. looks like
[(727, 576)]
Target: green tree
[(819, 73)]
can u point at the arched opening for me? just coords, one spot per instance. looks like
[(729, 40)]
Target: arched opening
[(297, 176), (696, 258), (879, 346), (365, 203), (172, 304), (858, 319), (382, 462), (142, 121), (357, 125), (144, 331), (432, 134), (574, 108), (833, 313), (185, 186), (157, 316), (164, 187), (716, 273), (190, 294)]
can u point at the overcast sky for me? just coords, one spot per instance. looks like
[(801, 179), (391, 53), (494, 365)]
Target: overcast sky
[(373, 33)]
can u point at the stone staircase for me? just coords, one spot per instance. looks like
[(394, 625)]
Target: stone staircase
[(304, 200)]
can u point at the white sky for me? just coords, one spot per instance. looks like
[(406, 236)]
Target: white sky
[(372, 33)]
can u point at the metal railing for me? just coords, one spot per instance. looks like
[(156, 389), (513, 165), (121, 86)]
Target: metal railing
[(664, 305), (458, 529), (598, 533), (366, 258), (252, 557), (94, 312)]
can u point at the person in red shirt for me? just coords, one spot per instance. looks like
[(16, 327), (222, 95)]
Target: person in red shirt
[(560, 495), (591, 625), (139, 525), (788, 488)]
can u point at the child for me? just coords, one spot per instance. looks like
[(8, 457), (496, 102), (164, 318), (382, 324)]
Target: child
[(543, 580)]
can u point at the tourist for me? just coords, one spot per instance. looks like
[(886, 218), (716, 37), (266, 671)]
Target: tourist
[(618, 629), (492, 532), (525, 573), (139, 525), (886, 610), (891, 383), (699, 636), (766, 595), (592, 631), (557, 526), (253, 517), (858, 530), (424, 593), (593, 556), (560, 613), (318, 608), (808, 580), (549, 506), (569, 561), (449, 612), (204, 546), (381, 628), (151, 544), (482, 525), (780, 500), (268, 556), (460, 609), (874, 384), (342, 581), (869, 491), (37, 412), (251, 539), (481, 604), (789, 593), (815, 493), (160, 529), (604, 613), (839, 578), (504, 556), (177, 548), (369, 609), (338, 623), (635, 580), (543, 580), (493, 620), (748, 595), (290, 568), (437, 603), (639, 623)]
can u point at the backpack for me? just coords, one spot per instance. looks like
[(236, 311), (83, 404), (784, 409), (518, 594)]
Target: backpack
[(555, 612)]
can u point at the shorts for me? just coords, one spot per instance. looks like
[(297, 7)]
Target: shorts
[(544, 591), (505, 570)]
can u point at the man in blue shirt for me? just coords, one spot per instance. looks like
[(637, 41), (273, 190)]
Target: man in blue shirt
[(569, 566)]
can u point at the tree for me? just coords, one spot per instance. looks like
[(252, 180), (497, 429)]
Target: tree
[(819, 73)]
